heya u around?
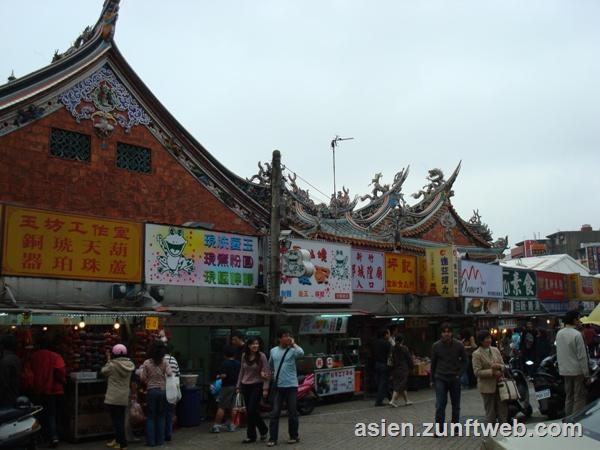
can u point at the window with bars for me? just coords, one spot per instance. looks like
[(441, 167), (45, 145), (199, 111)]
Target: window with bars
[(70, 145), (132, 157)]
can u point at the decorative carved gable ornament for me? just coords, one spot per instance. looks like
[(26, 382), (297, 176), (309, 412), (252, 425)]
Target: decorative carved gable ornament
[(104, 100), (448, 222)]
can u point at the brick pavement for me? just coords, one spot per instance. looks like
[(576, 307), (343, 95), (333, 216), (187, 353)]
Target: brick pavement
[(331, 426)]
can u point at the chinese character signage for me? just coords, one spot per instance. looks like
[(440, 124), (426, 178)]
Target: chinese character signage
[(331, 281), (588, 288), (151, 323), (593, 258), (480, 280), (46, 244), (491, 306), (422, 275), (519, 283), (192, 257), (334, 381), (323, 325), (527, 306), (400, 274), (442, 271), (557, 307), (572, 286), (551, 286), (367, 271)]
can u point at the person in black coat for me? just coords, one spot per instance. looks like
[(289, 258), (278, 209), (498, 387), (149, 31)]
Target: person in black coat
[(381, 353)]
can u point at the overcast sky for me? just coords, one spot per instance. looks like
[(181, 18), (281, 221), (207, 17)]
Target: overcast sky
[(510, 87)]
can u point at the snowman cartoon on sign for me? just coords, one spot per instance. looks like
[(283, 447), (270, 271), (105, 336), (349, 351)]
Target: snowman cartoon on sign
[(173, 261)]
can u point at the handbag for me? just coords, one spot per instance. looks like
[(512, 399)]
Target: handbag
[(136, 414), (238, 413), (171, 386), (507, 389)]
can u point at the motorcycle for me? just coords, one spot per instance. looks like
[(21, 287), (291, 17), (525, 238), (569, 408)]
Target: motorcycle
[(522, 404), (19, 427), (550, 389), (306, 399)]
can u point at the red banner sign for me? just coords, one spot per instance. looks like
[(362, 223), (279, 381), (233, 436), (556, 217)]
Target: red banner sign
[(551, 286)]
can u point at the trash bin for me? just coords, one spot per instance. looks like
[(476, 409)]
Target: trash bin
[(189, 407)]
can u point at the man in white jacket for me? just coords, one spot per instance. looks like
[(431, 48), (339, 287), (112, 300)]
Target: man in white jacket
[(572, 360)]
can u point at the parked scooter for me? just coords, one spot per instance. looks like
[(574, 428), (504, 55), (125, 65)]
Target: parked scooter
[(550, 389), (18, 426), (306, 399), (522, 405), (307, 395)]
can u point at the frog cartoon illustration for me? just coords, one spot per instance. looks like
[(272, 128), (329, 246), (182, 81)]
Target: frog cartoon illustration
[(340, 269), (173, 261)]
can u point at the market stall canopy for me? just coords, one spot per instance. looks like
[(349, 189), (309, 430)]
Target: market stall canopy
[(549, 263), (593, 318)]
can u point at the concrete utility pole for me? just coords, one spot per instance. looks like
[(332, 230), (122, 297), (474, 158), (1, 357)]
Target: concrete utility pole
[(275, 267)]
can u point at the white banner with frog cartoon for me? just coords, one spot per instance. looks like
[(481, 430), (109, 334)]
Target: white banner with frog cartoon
[(331, 280), (192, 257)]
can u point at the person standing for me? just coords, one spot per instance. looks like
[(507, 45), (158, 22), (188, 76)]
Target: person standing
[(237, 342), (228, 374), (253, 383), (528, 341), (402, 363), (153, 372), (468, 377), (117, 370), (10, 371), (282, 360), (49, 376), (572, 359), (589, 337), (543, 348), (170, 412), (488, 367), (448, 361), (381, 352), (505, 344)]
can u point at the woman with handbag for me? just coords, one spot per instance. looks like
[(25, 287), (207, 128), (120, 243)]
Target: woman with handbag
[(488, 367), (154, 372), (253, 383)]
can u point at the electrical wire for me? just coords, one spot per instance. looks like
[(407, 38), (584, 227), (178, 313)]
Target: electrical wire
[(326, 196)]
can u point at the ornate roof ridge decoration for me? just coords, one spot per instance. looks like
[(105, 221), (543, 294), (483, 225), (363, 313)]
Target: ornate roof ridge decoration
[(387, 221), (437, 185), (104, 28)]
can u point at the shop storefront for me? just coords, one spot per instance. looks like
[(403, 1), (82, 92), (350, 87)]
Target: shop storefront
[(83, 338)]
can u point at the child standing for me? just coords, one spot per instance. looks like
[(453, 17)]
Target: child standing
[(229, 373)]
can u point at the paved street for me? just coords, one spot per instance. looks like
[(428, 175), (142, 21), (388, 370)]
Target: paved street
[(332, 427)]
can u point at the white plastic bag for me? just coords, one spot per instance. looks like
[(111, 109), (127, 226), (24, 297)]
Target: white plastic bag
[(173, 389)]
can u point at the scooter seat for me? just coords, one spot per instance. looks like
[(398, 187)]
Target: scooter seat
[(9, 414)]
